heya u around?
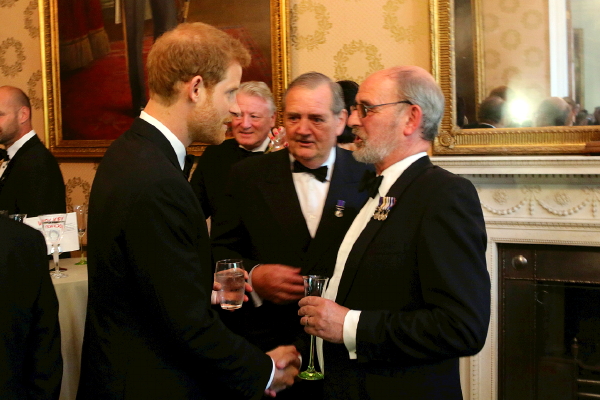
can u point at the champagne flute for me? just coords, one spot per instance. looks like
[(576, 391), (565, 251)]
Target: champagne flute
[(53, 227), (81, 212), (313, 286)]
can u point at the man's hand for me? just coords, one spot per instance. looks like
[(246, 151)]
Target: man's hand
[(323, 318), (280, 284), (287, 366), (214, 298)]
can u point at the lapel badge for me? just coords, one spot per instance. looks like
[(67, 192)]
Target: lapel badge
[(384, 207), (339, 208)]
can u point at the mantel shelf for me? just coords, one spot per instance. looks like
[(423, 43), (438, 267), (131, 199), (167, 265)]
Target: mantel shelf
[(520, 165)]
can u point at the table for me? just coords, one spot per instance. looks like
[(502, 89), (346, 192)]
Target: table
[(72, 293)]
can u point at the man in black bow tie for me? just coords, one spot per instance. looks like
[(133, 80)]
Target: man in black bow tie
[(410, 292), (279, 213), (251, 128), (30, 179)]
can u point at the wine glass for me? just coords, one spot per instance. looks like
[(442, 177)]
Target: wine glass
[(81, 212), (313, 286), (53, 228)]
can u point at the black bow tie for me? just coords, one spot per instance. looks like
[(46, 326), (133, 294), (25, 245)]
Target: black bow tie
[(188, 164), (247, 153), (370, 183), (320, 173), (4, 155)]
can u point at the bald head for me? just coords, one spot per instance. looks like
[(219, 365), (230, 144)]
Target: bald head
[(553, 111), (15, 115)]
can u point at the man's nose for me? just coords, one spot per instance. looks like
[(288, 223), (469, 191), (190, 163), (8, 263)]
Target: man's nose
[(354, 119), (304, 127)]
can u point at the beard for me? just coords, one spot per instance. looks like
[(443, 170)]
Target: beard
[(373, 151), (206, 125)]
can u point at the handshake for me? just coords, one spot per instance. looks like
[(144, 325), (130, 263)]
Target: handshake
[(287, 366)]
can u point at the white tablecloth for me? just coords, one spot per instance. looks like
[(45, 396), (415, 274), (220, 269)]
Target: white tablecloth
[(72, 293)]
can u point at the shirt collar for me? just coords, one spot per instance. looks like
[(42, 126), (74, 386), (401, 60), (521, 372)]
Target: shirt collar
[(329, 163), (262, 147), (393, 172), (175, 142), (12, 150)]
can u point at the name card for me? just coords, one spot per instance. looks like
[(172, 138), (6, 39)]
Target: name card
[(70, 239)]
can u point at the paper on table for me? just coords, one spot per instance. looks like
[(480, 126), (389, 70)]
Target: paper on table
[(70, 239)]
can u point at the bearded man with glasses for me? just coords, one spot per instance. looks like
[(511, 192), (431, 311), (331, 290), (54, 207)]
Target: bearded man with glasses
[(410, 292)]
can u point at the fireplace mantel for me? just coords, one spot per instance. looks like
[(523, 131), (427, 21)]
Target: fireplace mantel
[(526, 199)]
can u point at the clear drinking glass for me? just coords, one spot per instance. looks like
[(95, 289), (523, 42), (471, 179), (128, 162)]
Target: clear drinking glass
[(313, 286), (230, 274), (53, 228), (82, 216)]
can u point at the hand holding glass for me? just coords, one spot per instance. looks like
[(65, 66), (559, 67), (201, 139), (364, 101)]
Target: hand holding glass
[(81, 212), (54, 228), (313, 286), (230, 274)]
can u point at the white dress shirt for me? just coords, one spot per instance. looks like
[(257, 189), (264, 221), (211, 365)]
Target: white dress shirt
[(16, 146), (312, 195), (390, 176)]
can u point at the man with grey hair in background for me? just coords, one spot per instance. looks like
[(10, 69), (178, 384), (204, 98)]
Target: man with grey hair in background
[(251, 127), (410, 292), (285, 214)]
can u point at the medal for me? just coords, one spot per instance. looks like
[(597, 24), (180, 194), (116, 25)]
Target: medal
[(384, 207), (339, 208)]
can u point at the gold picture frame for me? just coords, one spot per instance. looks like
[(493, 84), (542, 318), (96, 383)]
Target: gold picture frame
[(60, 147), (508, 141)]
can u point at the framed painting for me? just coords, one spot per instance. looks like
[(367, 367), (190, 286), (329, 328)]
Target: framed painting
[(89, 100)]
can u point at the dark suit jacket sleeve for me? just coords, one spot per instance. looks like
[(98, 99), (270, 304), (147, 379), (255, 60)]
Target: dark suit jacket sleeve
[(229, 236), (44, 342), (455, 286), (177, 283)]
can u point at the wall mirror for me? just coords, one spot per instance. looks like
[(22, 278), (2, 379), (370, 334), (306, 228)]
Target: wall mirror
[(535, 53), (88, 99)]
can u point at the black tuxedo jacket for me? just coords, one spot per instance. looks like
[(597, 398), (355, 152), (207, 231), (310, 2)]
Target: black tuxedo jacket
[(150, 331), (32, 183), (210, 177), (420, 279), (262, 222), (30, 359)]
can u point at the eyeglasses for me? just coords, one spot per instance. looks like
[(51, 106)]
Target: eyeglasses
[(363, 109)]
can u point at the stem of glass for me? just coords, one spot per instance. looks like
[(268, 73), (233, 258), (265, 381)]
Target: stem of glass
[(55, 257)]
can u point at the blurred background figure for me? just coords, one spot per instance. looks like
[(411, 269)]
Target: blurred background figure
[(30, 179), (349, 89), (574, 110), (251, 128), (30, 358), (596, 116), (553, 111), (583, 118), (492, 114)]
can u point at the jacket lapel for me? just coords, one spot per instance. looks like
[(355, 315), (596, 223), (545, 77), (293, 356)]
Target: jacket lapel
[(373, 226), (279, 193), (13, 161)]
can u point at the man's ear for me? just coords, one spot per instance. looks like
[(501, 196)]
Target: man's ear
[(23, 115), (342, 120), (413, 123), (196, 91)]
